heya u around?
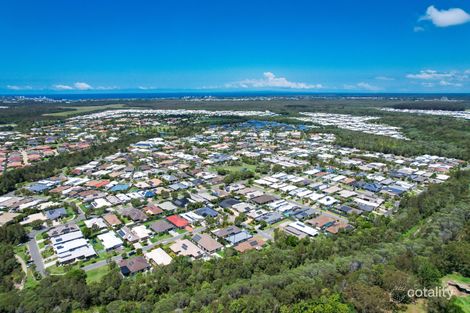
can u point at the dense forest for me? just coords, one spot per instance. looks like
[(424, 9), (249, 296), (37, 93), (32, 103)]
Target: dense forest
[(445, 106), (27, 113), (366, 270)]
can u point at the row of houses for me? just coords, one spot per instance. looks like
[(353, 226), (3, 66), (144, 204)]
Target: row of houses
[(172, 193)]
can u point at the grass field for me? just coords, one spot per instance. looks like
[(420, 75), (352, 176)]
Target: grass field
[(154, 239), (84, 109), (97, 274), (238, 168), (463, 303), (457, 277), (418, 307), (30, 282)]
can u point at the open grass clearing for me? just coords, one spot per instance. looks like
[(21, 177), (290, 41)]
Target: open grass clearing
[(84, 109)]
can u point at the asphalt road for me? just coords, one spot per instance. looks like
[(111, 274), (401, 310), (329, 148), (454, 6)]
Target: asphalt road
[(35, 253), (293, 202), (34, 248), (118, 258), (101, 263)]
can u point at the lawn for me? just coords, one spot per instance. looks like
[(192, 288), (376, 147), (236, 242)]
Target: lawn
[(21, 252), (408, 234), (100, 257), (56, 270), (30, 282), (97, 245), (84, 109), (418, 307), (457, 277), (463, 303), (221, 253), (96, 274), (242, 167), (154, 239), (48, 252)]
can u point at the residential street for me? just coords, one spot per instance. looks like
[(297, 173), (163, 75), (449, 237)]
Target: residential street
[(35, 253), (165, 241), (34, 248)]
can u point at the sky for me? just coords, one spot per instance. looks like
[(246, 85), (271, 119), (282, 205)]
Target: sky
[(93, 46)]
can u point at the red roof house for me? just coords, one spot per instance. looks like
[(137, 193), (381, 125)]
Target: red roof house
[(178, 221)]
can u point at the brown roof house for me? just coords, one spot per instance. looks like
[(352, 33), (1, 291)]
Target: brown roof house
[(161, 226), (112, 220), (321, 221), (250, 244), (207, 243), (132, 266)]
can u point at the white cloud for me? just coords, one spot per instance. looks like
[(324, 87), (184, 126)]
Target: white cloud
[(62, 87), (418, 29), (362, 86), (446, 83), (16, 88), (441, 83), (431, 75), (81, 86), (428, 84), (105, 88), (384, 78), (146, 88), (445, 18), (270, 80), (432, 78)]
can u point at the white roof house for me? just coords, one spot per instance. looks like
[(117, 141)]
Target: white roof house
[(110, 240), (66, 237), (82, 252), (327, 200), (304, 228), (100, 203), (141, 231), (98, 221), (159, 256), (185, 247)]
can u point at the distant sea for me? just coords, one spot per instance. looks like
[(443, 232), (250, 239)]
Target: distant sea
[(221, 95)]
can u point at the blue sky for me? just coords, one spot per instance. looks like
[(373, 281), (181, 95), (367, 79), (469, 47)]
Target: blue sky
[(310, 46)]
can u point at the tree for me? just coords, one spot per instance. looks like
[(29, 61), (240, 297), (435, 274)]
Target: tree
[(240, 219), (136, 203), (37, 225), (8, 264), (331, 304), (427, 273), (455, 257), (165, 194), (13, 234), (87, 232), (368, 298)]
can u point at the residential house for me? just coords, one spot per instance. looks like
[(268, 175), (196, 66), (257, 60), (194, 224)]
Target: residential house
[(207, 243), (134, 265)]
